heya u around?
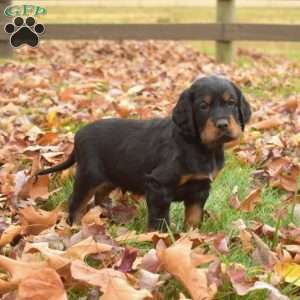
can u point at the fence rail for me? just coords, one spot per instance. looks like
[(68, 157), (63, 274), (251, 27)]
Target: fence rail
[(218, 32)]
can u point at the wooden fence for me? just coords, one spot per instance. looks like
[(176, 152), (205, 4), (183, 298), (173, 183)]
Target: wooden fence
[(224, 32)]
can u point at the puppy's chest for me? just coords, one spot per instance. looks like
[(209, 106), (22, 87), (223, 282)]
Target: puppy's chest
[(199, 171)]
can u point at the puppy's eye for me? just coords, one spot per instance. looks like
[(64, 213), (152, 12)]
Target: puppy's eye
[(204, 106), (231, 102)]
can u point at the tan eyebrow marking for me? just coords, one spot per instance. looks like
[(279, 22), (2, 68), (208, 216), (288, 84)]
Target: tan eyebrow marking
[(207, 99), (227, 96)]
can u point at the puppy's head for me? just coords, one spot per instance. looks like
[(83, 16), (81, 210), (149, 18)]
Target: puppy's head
[(212, 109)]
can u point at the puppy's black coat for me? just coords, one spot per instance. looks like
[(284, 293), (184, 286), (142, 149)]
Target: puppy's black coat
[(171, 159)]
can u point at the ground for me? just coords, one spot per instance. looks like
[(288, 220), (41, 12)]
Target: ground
[(252, 215)]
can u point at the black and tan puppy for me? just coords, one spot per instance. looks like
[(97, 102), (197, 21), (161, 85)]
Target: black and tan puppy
[(171, 159)]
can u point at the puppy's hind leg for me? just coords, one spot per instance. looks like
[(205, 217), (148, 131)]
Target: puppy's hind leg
[(101, 195), (85, 186)]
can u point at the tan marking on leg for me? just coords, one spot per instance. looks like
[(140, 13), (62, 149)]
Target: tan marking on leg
[(210, 133), (234, 128), (193, 215), (102, 191)]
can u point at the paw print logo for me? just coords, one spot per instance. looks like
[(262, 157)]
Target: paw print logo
[(24, 33)]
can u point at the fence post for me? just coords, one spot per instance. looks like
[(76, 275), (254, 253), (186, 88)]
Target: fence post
[(225, 15), (5, 48)]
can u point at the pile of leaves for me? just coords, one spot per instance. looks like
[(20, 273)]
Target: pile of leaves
[(48, 93)]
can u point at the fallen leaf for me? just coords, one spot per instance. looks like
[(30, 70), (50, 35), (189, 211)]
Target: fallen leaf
[(18, 270), (177, 260), (249, 203), (118, 288), (10, 234), (148, 280), (246, 238), (150, 261), (262, 253), (238, 278), (128, 259), (275, 166), (48, 138), (93, 216), (67, 94), (42, 284), (100, 278), (289, 271), (269, 123), (37, 220)]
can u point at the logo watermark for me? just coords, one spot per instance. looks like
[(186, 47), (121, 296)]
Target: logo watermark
[(24, 29)]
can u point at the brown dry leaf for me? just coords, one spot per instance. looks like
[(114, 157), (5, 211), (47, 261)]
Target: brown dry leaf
[(37, 220), (150, 261), (18, 270), (148, 280), (177, 260), (42, 284), (118, 288), (35, 188), (290, 105), (269, 123), (275, 166), (292, 248), (262, 253), (246, 237), (123, 108), (58, 259), (243, 286), (249, 203), (100, 278), (67, 94), (143, 237), (86, 247), (234, 201), (93, 217), (9, 234), (221, 243), (288, 182), (54, 258), (128, 258), (238, 278), (48, 138)]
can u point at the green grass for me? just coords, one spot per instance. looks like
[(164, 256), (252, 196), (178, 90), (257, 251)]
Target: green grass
[(166, 14), (61, 196)]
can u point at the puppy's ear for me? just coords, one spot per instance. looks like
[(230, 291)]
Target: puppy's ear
[(244, 108), (183, 114)]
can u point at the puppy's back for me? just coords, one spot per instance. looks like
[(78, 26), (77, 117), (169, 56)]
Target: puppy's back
[(126, 149)]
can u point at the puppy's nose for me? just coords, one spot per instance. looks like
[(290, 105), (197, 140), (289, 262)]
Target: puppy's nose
[(222, 124)]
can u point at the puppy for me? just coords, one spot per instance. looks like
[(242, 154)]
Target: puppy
[(168, 159)]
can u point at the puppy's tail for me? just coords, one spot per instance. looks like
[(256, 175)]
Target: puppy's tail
[(64, 165)]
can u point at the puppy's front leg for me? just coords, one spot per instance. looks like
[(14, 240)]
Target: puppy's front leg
[(194, 204), (158, 200)]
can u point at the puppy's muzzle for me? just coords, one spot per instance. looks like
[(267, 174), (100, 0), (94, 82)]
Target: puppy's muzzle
[(222, 124)]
